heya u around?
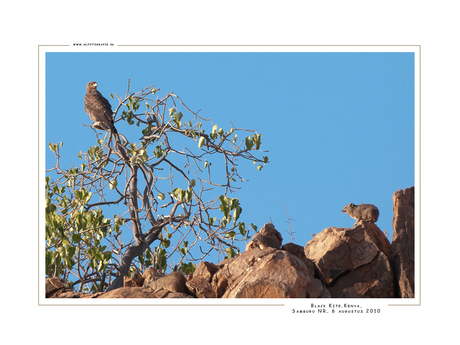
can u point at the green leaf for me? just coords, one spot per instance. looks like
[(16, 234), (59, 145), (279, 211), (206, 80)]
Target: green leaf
[(234, 203), (53, 147), (201, 142), (76, 238), (187, 268), (178, 193), (230, 251), (166, 243), (257, 141), (113, 184), (214, 129), (188, 195), (224, 205), (161, 196), (236, 213), (249, 143), (71, 251), (230, 234), (242, 228)]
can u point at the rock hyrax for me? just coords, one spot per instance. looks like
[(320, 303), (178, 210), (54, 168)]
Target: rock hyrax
[(365, 212), (173, 282), (264, 241)]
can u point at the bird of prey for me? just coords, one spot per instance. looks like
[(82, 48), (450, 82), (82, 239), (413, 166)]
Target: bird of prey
[(98, 108)]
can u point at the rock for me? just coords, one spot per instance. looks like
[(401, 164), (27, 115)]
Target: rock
[(299, 251), (92, 295), (52, 285), (403, 242), (338, 250), (270, 231), (221, 278), (353, 262), (263, 241), (129, 292), (136, 280), (201, 288), (378, 237), (73, 294), (315, 289), (373, 280), (326, 293), (169, 294), (151, 274), (350, 293), (55, 288), (267, 273), (205, 270)]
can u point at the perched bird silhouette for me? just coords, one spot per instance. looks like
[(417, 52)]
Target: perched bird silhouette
[(98, 108)]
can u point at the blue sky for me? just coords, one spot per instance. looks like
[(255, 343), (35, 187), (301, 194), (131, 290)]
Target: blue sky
[(338, 127)]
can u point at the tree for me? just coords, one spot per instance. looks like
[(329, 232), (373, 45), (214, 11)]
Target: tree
[(163, 186)]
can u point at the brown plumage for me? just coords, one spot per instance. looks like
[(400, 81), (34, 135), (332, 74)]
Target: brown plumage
[(98, 108)]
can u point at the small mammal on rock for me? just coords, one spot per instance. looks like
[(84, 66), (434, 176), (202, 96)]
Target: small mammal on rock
[(365, 212), (264, 241), (173, 282)]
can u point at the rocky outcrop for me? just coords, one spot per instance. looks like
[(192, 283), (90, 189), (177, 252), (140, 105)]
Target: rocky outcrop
[(356, 262), (350, 259), (403, 242), (199, 283), (267, 273)]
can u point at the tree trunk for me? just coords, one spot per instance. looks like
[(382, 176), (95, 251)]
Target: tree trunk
[(131, 253)]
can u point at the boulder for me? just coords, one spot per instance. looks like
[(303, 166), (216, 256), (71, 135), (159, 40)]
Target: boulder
[(299, 251), (374, 280), (338, 250), (135, 280), (316, 289), (270, 231), (403, 242), (378, 237), (53, 285), (353, 262), (267, 273), (201, 288), (205, 270)]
